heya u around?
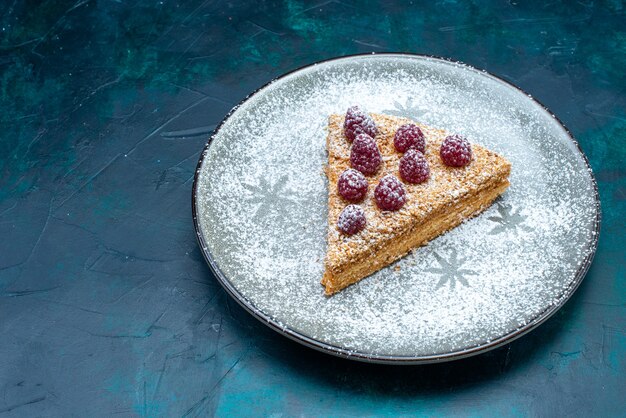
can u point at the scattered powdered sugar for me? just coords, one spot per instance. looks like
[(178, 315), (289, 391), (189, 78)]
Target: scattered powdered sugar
[(262, 199)]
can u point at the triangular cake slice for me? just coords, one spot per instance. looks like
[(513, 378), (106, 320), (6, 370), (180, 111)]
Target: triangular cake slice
[(450, 196)]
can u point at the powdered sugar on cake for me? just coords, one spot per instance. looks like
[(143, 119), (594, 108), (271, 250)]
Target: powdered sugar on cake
[(262, 210)]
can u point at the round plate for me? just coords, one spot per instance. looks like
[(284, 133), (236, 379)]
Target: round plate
[(259, 207)]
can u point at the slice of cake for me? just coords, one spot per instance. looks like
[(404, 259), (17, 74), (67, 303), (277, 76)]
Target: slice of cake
[(394, 185)]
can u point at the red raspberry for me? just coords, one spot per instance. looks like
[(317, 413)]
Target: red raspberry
[(352, 185), (358, 122), (455, 151), (414, 167), (351, 220), (389, 193), (365, 155), (409, 136)]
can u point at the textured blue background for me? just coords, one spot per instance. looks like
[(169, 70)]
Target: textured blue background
[(106, 305)]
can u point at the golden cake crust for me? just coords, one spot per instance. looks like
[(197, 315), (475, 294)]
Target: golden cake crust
[(448, 197)]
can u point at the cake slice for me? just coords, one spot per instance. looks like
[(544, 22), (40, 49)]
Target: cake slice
[(449, 196)]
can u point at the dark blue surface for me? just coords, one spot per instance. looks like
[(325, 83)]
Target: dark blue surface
[(106, 305)]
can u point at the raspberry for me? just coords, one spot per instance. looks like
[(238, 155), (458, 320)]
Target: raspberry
[(365, 155), (351, 220), (352, 185), (414, 167), (389, 193), (358, 122), (409, 136), (455, 151)]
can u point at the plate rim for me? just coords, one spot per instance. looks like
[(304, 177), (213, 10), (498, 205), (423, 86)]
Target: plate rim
[(381, 358)]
